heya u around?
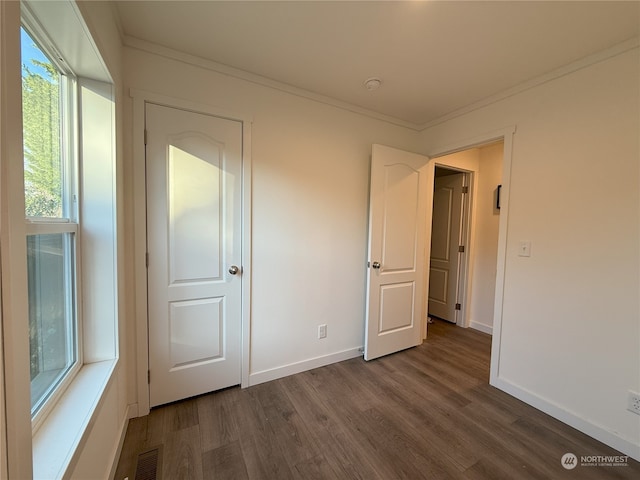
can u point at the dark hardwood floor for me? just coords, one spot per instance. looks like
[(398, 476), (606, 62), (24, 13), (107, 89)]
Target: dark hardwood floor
[(424, 413)]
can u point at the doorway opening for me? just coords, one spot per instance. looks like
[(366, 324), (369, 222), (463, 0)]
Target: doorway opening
[(448, 239), (464, 238)]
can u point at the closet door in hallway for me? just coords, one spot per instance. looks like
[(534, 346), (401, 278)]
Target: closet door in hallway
[(446, 237)]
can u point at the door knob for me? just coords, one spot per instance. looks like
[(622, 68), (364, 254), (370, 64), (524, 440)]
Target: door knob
[(233, 270), (375, 264)]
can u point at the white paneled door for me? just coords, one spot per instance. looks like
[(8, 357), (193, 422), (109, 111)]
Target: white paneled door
[(446, 237), (194, 197), (398, 223)]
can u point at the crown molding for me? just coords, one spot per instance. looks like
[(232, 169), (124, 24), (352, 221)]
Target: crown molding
[(149, 47), (155, 49), (540, 80)]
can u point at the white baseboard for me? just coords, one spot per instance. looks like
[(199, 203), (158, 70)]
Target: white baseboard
[(483, 327), (293, 368), (627, 447), (123, 434)]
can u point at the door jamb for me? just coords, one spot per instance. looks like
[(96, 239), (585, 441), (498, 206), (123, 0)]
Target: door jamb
[(506, 135), (462, 286), (140, 99)]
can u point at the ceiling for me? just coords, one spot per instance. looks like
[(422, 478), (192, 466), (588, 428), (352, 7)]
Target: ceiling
[(434, 57)]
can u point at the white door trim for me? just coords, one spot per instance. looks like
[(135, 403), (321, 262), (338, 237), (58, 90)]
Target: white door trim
[(140, 98), (506, 135)]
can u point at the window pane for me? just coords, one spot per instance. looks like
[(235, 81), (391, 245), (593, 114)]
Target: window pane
[(43, 178), (52, 336)]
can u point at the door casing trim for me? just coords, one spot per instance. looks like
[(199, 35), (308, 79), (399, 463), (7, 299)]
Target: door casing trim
[(140, 99)]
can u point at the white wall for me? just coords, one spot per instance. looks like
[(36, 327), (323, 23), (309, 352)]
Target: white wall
[(487, 220), (309, 214), (569, 327)]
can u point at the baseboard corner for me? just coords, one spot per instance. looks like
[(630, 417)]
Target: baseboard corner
[(482, 327)]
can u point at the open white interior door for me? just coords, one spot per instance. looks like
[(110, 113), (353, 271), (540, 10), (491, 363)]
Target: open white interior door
[(398, 222)]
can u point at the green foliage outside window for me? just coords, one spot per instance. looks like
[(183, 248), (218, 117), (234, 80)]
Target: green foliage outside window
[(41, 134)]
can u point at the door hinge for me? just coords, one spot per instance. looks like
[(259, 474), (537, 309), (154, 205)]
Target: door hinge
[(461, 249), (458, 306), (465, 189), (149, 377), (146, 259), (145, 136)]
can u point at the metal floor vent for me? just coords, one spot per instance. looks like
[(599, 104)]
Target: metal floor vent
[(147, 466)]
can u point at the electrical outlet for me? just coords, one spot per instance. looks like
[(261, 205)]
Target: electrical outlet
[(322, 331), (634, 402)]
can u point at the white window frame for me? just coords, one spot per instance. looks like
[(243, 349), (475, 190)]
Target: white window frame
[(69, 222)]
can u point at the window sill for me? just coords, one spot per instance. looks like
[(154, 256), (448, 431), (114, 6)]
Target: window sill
[(62, 434)]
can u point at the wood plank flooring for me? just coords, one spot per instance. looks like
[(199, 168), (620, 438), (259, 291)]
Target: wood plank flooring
[(424, 413)]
